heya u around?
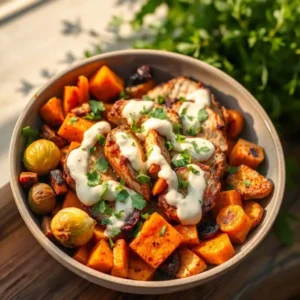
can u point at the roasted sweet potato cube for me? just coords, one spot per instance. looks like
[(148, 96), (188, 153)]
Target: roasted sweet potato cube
[(190, 263), (52, 112), (138, 269), (235, 123), (51, 135), (101, 257), (189, 234), (99, 234), (226, 198), (246, 153), (254, 211), (215, 251), (58, 182), (249, 183), (82, 254), (27, 179), (83, 89), (105, 85), (156, 241), (71, 200), (74, 127), (70, 98), (120, 254), (46, 227)]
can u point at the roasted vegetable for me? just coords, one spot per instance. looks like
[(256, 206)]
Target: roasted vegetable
[(101, 257), (49, 134), (234, 221), (249, 183), (82, 110), (208, 229), (46, 227), (189, 235), (215, 251), (137, 91), (58, 182), (171, 265), (52, 112), (41, 156), (254, 211), (159, 186), (120, 259), (190, 263), (41, 199), (141, 75), (71, 200), (82, 254), (72, 227), (70, 98), (226, 198), (28, 179), (138, 269), (246, 153), (73, 128), (105, 85), (156, 241), (83, 90), (235, 123), (99, 234)]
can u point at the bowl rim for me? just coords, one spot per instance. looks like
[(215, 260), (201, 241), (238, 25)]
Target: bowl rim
[(93, 275)]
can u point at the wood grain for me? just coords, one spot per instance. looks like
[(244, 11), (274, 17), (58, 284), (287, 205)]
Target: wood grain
[(27, 271)]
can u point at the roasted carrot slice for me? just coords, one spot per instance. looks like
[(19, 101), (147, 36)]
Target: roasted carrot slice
[(235, 123), (234, 221), (83, 90), (99, 234), (254, 211), (159, 186), (226, 198), (70, 98)]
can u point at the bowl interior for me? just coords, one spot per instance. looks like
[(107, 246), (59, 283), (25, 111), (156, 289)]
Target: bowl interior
[(258, 129)]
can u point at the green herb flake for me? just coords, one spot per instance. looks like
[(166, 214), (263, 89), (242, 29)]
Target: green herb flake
[(122, 196), (111, 243), (97, 107), (115, 231), (180, 138), (99, 207), (183, 184), (230, 187), (161, 99), (119, 214), (28, 132), (124, 95), (169, 145), (191, 118), (202, 115), (136, 230), (192, 131), (193, 170), (104, 188), (182, 99), (92, 150), (247, 183), (93, 179), (183, 112), (232, 170), (138, 201), (73, 120), (158, 113), (197, 149), (163, 230), (142, 178), (148, 98), (133, 144), (106, 221), (101, 139), (101, 165), (145, 216), (149, 152), (177, 128), (183, 159), (121, 185)]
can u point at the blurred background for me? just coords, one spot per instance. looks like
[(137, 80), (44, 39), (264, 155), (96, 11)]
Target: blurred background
[(255, 41)]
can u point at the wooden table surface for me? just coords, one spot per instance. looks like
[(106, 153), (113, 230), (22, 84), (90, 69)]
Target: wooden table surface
[(27, 271)]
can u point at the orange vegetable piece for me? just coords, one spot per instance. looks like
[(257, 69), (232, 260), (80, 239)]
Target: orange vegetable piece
[(120, 254), (190, 263), (101, 257), (52, 112), (254, 211), (159, 186), (156, 241), (215, 251), (139, 90), (234, 221), (71, 200), (82, 254), (226, 198), (189, 234), (99, 234), (138, 269), (246, 153), (235, 123), (70, 98), (154, 169), (105, 85), (74, 127), (83, 90)]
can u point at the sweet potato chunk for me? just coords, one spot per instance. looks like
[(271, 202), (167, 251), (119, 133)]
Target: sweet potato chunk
[(226, 198), (215, 251), (71, 200), (52, 112), (51, 135), (120, 254), (82, 254), (157, 240), (159, 186), (249, 183), (190, 263), (246, 153), (58, 182), (254, 211), (235, 123), (83, 90), (138, 269), (27, 179), (74, 127), (105, 85), (46, 227), (189, 234), (99, 234), (70, 98), (234, 221), (101, 257)]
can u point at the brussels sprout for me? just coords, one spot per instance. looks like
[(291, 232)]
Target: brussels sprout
[(41, 199), (41, 157), (72, 227)]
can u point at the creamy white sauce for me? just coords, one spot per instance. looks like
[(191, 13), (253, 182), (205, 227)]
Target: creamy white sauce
[(189, 110), (134, 108)]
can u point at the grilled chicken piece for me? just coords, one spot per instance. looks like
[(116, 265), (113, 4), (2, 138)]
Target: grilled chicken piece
[(82, 110), (213, 187), (217, 162), (121, 164), (137, 91), (51, 135)]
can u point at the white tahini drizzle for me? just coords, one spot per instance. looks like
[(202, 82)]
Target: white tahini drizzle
[(201, 98), (133, 109)]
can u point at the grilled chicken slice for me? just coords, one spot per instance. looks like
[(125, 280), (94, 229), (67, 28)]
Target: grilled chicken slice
[(137, 91), (217, 162), (213, 187), (121, 164)]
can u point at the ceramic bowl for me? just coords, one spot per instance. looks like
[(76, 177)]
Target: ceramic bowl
[(258, 129)]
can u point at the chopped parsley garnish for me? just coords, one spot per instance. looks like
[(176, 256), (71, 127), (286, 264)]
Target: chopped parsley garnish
[(180, 138), (149, 152), (144, 111), (145, 216), (99, 207), (135, 128), (202, 115), (122, 196), (183, 113), (183, 159), (136, 230), (106, 221), (121, 185), (169, 145), (183, 184), (247, 183), (182, 99), (101, 139), (193, 170), (104, 189), (192, 131), (97, 107), (111, 243), (123, 95), (30, 134), (158, 113), (73, 120), (93, 178), (138, 201), (163, 230), (232, 170), (101, 165), (92, 150), (119, 214), (115, 231), (124, 136), (83, 149), (142, 178), (198, 149), (177, 128), (191, 118), (133, 144), (161, 99), (147, 98)]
